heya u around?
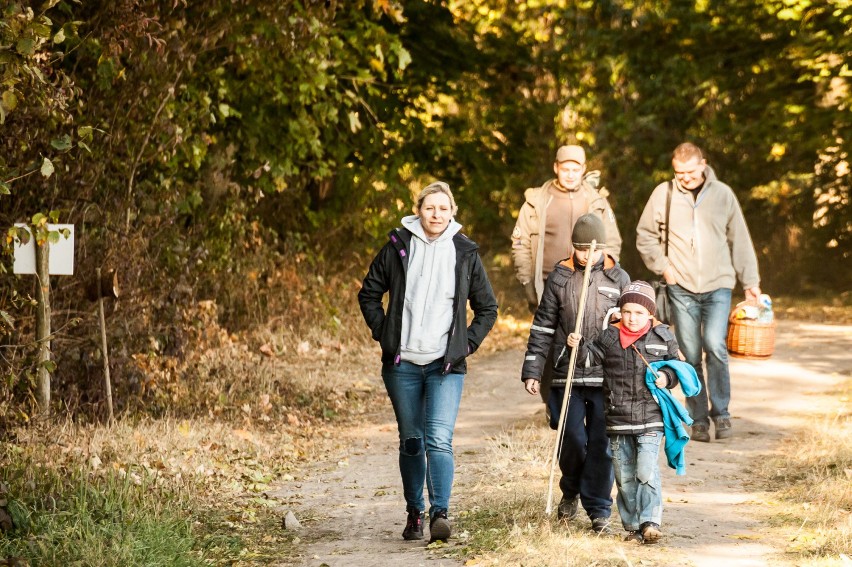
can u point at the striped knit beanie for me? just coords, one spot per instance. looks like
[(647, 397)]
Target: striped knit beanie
[(642, 293)]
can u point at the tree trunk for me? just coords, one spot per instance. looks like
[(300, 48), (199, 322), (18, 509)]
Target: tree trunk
[(43, 325)]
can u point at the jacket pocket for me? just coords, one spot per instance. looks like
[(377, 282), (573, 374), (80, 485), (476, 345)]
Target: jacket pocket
[(610, 293), (656, 350)]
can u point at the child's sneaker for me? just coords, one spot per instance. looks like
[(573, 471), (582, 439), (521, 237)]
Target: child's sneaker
[(634, 536), (439, 527), (567, 509), (414, 525), (650, 532), (601, 526)]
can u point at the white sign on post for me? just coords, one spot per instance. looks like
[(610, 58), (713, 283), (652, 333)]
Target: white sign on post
[(61, 261)]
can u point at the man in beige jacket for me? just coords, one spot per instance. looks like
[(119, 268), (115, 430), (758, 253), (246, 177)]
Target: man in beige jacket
[(709, 249), (542, 235)]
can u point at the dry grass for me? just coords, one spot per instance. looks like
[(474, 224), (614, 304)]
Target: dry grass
[(222, 474), (507, 525), (813, 476), (238, 413), (827, 309)]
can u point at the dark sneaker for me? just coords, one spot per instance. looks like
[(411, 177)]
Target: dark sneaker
[(601, 526), (414, 525), (650, 532), (700, 432), (567, 509), (439, 527), (723, 428), (634, 537)]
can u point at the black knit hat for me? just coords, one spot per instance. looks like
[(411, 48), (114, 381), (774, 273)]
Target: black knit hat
[(642, 293), (587, 228)]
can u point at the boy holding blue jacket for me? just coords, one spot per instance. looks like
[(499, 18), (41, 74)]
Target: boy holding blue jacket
[(634, 418)]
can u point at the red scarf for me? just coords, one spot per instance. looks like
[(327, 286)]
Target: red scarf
[(628, 337)]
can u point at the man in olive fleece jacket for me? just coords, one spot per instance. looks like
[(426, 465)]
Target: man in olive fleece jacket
[(709, 249)]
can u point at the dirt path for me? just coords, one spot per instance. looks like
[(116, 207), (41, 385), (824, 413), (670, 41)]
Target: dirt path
[(354, 512)]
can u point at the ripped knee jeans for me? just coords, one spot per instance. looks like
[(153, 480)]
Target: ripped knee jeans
[(426, 404), (637, 475)]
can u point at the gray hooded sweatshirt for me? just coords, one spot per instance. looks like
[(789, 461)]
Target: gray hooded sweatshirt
[(429, 289)]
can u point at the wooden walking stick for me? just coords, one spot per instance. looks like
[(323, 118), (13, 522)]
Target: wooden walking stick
[(560, 429)]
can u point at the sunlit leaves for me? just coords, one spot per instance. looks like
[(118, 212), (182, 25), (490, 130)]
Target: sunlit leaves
[(9, 101), (354, 121), (46, 168)]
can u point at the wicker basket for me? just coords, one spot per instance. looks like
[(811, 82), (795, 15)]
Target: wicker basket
[(748, 338)]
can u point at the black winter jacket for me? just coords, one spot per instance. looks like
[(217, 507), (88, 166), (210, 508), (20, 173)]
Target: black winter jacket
[(556, 317), (387, 274), (630, 407)]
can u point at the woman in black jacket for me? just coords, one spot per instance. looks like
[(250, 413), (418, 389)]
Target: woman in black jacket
[(430, 271)]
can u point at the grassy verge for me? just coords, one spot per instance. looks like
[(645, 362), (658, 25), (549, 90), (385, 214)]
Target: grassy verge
[(155, 492), (152, 493), (69, 517), (813, 478)]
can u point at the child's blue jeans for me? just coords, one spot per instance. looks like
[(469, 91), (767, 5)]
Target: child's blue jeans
[(637, 475)]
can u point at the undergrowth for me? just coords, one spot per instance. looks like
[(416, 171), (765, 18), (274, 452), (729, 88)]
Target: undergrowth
[(69, 516)]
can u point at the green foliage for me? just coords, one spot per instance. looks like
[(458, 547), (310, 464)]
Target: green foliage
[(74, 518), (197, 143)]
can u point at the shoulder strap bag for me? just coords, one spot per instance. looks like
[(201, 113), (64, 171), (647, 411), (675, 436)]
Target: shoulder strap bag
[(660, 287)]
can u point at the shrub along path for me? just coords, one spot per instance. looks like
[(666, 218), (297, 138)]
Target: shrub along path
[(352, 509)]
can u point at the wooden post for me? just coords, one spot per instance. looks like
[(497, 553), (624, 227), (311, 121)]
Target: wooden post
[(42, 252), (101, 320)]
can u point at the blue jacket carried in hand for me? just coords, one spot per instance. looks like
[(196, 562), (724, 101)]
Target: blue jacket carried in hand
[(674, 414)]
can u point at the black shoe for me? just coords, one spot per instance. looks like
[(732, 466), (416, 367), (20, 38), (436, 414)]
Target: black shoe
[(723, 428), (414, 525), (650, 532), (439, 527), (634, 536), (700, 432), (567, 509), (601, 526)]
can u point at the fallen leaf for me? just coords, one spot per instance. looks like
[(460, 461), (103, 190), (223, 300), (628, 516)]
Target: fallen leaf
[(244, 435)]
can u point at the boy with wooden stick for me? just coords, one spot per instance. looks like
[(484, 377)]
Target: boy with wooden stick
[(634, 419), (584, 458)]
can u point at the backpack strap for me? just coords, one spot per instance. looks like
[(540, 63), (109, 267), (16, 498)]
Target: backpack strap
[(668, 210)]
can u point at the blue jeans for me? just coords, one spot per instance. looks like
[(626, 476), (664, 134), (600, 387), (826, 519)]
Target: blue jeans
[(637, 474), (584, 457), (701, 325), (426, 404)]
